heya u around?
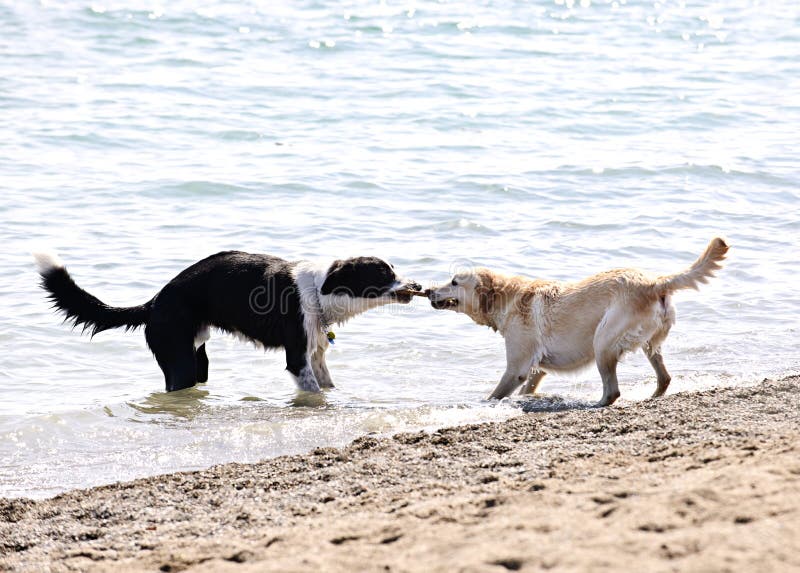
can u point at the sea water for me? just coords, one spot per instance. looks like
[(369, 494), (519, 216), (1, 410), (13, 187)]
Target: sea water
[(548, 139)]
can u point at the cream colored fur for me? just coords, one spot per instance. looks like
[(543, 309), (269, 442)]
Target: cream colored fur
[(552, 326)]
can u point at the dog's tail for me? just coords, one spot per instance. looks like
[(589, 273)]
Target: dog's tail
[(79, 306), (699, 272)]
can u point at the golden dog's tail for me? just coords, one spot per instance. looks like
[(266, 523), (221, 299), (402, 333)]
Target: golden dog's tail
[(699, 272)]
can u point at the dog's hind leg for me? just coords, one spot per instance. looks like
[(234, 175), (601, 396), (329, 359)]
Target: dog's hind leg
[(321, 369), (657, 362), (518, 364), (662, 376), (652, 348), (607, 351), (201, 359), (607, 365), (532, 384), (175, 355)]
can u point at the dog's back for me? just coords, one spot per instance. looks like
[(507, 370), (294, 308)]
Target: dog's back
[(580, 307)]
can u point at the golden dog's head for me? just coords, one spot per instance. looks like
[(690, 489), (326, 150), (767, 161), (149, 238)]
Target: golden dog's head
[(471, 292)]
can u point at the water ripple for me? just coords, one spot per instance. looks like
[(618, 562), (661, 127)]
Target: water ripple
[(545, 139)]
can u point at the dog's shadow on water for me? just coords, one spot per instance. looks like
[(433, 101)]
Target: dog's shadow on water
[(308, 400), (552, 403), (192, 402), (188, 403)]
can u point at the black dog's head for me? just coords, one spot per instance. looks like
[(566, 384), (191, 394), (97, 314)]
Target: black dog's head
[(367, 278)]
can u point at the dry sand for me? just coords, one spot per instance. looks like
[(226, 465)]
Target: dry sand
[(706, 481)]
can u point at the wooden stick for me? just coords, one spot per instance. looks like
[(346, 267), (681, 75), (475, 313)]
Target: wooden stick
[(413, 292)]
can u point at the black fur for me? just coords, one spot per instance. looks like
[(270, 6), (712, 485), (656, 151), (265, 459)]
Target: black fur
[(249, 294), (367, 277), (82, 309)]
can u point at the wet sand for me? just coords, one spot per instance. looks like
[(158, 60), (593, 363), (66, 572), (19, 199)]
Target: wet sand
[(706, 481)]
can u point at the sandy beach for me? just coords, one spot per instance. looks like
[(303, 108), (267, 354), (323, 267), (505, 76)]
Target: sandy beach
[(706, 481)]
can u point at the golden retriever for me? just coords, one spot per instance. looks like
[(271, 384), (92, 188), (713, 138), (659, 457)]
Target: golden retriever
[(553, 326)]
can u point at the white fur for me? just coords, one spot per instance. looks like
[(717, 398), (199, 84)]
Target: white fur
[(203, 335), (339, 308), (307, 381), (47, 261), (309, 278), (321, 311), (320, 369)]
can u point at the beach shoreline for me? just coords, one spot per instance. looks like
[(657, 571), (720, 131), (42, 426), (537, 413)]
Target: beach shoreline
[(697, 480)]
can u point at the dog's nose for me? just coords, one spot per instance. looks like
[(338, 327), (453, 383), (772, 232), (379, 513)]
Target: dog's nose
[(415, 286), (427, 292)]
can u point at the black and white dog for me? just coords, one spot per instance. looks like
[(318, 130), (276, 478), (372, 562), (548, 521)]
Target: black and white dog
[(265, 299)]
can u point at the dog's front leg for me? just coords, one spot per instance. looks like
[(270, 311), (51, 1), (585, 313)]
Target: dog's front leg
[(306, 380), (321, 369), (518, 364), (299, 364)]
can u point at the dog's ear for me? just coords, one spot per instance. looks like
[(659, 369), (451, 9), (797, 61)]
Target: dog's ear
[(337, 276), (486, 291), (367, 277)]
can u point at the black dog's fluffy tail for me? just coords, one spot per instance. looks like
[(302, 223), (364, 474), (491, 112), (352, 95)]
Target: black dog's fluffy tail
[(79, 306)]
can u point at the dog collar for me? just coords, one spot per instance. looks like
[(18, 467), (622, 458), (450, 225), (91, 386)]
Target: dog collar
[(331, 337)]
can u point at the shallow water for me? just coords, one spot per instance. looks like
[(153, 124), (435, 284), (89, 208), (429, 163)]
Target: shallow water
[(547, 139)]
